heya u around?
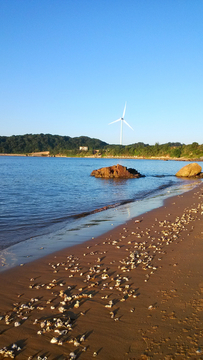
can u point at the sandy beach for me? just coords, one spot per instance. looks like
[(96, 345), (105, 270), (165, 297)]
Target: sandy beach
[(135, 292)]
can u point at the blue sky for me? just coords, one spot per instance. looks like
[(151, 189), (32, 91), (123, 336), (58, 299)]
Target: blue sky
[(68, 66)]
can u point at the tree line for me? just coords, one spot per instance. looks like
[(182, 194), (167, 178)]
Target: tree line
[(168, 150), (24, 144), (65, 145)]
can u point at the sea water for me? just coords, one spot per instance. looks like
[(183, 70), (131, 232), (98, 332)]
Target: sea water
[(47, 204)]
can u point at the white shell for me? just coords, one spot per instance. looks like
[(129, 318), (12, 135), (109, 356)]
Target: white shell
[(54, 340)]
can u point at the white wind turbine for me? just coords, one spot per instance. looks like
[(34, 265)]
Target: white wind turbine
[(122, 121)]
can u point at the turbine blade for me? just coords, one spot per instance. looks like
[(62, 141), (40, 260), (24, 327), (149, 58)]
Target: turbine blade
[(128, 124), (114, 121), (124, 110)]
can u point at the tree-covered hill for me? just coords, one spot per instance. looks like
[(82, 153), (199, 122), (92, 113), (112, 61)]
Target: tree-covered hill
[(168, 150), (22, 144), (67, 146)]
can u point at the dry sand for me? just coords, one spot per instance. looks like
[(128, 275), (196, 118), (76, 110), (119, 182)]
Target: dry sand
[(133, 293)]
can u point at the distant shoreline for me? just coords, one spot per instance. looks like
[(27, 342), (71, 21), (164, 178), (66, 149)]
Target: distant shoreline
[(47, 154)]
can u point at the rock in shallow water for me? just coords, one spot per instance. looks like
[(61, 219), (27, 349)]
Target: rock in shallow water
[(189, 170), (116, 171)]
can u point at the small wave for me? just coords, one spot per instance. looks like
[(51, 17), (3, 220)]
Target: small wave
[(140, 196), (162, 176)]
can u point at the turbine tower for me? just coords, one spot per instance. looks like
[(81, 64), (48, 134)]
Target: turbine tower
[(122, 121)]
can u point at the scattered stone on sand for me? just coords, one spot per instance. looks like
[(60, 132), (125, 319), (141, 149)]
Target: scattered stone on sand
[(189, 170), (116, 171), (123, 291)]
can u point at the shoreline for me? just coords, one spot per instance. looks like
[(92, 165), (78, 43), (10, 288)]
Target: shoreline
[(39, 246), (148, 271), (47, 154)]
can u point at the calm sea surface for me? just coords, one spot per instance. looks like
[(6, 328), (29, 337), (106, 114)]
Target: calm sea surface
[(49, 203)]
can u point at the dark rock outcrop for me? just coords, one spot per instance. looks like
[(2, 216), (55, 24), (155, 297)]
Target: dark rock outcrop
[(190, 170), (116, 171)]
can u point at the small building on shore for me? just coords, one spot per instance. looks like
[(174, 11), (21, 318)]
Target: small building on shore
[(83, 148)]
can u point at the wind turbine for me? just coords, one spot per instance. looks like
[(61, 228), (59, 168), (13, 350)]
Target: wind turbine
[(122, 121)]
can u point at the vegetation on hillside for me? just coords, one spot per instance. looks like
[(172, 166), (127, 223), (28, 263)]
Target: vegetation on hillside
[(65, 145), (170, 150), (24, 144)]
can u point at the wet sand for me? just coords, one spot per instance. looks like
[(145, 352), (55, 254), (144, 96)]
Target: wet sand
[(135, 292)]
